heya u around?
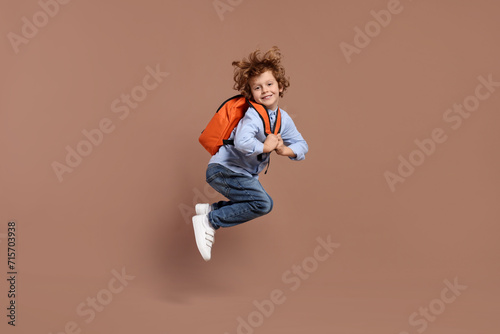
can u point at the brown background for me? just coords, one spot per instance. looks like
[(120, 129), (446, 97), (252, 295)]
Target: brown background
[(123, 205)]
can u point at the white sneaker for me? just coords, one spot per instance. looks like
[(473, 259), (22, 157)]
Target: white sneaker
[(204, 235), (202, 209)]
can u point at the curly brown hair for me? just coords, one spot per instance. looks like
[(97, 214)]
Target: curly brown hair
[(255, 65)]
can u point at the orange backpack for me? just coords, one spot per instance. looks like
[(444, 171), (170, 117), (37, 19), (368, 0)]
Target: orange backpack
[(226, 118)]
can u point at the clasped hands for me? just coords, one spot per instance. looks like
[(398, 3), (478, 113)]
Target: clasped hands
[(275, 143)]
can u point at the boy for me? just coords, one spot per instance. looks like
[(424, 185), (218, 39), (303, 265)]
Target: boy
[(234, 170)]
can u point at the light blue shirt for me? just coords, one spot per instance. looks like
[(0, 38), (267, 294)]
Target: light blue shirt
[(246, 155)]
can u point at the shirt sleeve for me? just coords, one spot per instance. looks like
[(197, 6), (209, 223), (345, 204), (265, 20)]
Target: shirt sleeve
[(245, 138), (292, 137)]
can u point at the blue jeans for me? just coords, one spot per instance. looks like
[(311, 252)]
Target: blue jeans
[(247, 198)]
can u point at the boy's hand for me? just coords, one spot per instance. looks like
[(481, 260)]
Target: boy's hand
[(281, 145), (282, 149), (270, 143)]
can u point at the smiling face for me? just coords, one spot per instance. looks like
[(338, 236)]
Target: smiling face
[(265, 89)]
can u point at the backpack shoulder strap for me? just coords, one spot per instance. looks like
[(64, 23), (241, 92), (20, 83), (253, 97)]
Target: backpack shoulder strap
[(264, 116), (266, 120), (231, 98), (277, 125)]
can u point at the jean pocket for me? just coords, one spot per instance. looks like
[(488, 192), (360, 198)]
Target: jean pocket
[(211, 178), (218, 181)]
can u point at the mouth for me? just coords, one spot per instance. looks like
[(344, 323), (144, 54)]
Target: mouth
[(267, 97)]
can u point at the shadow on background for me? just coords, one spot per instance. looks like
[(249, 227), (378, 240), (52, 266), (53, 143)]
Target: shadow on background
[(184, 274)]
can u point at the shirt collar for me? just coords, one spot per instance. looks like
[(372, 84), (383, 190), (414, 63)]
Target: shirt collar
[(272, 112)]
